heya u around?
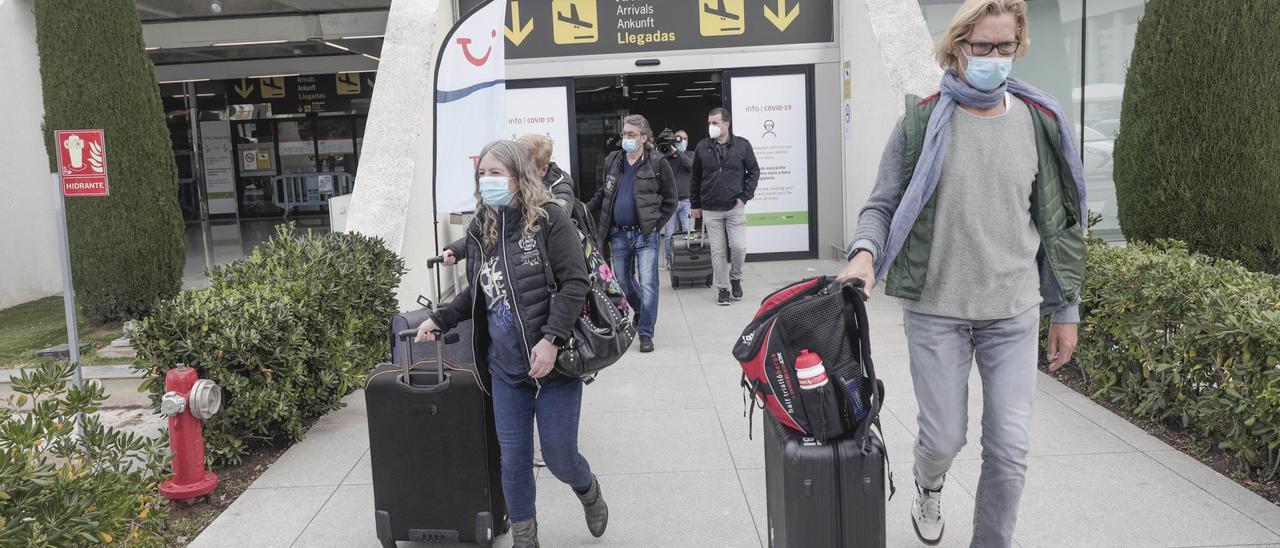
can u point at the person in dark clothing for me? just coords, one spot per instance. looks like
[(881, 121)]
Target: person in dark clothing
[(637, 199), (556, 180), (518, 327), (724, 179), (681, 162)]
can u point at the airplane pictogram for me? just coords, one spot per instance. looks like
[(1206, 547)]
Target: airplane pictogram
[(721, 17), (575, 21), (720, 11)]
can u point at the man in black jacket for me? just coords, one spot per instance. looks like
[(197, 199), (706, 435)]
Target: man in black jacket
[(635, 202), (724, 179)]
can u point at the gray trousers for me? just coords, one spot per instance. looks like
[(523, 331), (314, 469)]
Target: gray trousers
[(942, 352), (727, 259)]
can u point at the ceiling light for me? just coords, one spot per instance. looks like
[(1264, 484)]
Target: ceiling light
[(252, 43), (362, 37), (652, 85), (688, 97), (371, 57), (152, 48), (333, 45), (184, 81)]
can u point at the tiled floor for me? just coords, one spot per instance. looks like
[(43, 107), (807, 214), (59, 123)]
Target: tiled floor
[(666, 434)]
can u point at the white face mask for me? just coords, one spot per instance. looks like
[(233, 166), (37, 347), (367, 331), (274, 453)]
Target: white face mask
[(714, 131)]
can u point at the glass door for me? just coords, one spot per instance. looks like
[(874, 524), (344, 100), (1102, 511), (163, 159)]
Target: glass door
[(255, 166), (335, 142)]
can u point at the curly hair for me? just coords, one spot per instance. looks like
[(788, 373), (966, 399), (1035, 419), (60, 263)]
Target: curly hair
[(530, 192)]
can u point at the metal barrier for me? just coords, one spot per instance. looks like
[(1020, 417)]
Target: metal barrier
[(309, 189)]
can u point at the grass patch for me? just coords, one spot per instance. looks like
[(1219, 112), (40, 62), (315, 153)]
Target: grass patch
[(34, 326)]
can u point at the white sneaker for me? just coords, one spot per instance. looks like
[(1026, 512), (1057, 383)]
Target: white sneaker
[(926, 516)]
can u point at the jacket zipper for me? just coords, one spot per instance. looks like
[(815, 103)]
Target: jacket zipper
[(474, 302), (515, 307)]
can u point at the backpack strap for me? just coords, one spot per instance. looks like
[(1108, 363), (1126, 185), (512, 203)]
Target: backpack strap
[(855, 318)]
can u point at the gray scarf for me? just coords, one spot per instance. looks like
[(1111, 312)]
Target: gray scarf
[(925, 179)]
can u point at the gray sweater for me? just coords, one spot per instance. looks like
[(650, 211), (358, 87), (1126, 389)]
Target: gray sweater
[(983, 264)]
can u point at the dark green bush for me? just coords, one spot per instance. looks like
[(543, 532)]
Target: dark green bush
[(1195, 159), (57, 491), (1186, 338), (127, 249), (287, 332)]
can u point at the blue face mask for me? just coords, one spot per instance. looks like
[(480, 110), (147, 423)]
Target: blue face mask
[(630, 145), (987, 73), (682, 145), (495, 191)]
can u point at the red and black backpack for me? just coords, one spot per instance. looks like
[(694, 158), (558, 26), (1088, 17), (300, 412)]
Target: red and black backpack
[(822, 316)]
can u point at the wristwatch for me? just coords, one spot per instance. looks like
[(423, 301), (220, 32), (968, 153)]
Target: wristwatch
[(551, 339)]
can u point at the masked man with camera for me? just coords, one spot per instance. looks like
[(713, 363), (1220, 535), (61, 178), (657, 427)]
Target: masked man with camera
[(674, 149)]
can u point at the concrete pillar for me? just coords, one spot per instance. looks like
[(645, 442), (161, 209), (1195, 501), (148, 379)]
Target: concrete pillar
[(393, 191), (891, 53), (28, 234)]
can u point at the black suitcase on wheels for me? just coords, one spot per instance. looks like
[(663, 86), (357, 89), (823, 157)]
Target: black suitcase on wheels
[(690, 260), (824, 494), (434, 451)]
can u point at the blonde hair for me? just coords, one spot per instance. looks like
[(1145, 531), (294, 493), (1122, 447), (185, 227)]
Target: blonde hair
[(539, 147), (530, 192), (968, 16)]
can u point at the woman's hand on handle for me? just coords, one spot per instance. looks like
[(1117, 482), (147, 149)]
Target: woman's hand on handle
[(862, 267), (427, 331), (449, 258), (542, 360)]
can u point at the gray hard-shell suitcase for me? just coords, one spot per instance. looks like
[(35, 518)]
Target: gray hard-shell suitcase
[(690, 259)]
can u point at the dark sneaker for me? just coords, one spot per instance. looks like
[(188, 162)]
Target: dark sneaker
[(725, 299), (646, 344), (737, 289)]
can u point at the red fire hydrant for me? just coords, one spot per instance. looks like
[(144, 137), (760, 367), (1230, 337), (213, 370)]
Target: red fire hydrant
[(188, 401)]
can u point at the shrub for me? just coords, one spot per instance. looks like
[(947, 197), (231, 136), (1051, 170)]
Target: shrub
[(1195, 157), (127, 249), (1184, 337), (287, 332), (57, 491)]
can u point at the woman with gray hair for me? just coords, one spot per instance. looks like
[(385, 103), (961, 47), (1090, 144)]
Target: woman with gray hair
[(635, 202), (976, 222), (512, 245)]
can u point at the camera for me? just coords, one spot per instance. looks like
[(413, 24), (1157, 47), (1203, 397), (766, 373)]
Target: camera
[(666, 142)]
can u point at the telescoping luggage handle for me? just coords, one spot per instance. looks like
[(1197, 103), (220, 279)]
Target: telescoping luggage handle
[(442, 338)]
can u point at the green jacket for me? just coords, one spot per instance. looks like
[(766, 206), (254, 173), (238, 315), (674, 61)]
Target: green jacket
[(1054, 208)]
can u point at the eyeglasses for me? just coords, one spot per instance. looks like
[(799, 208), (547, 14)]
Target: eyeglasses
[(983, 49), (630, 135)]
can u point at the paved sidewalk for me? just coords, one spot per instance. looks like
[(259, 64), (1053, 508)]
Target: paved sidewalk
[(666, 434)]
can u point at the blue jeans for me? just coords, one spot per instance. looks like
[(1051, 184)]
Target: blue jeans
[(556, 407), (635, 265), (680, 221)]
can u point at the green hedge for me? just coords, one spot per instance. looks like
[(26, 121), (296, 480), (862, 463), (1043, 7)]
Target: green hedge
[(287, 332), (56, 490), (127, 250), (1195, 159), (1184, 337)]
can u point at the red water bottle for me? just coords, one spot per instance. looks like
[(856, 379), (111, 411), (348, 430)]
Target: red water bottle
[(818, 397)]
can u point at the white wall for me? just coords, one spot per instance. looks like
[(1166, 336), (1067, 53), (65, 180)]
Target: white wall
[(29, 267), (393, 192), (888, 45)]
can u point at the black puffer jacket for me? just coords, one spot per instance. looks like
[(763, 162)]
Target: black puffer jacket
[(537, 310), (655, 193)]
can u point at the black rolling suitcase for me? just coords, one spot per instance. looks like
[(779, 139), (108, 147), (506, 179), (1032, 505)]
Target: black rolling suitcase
[(690, 259), (823, 494), (434, 451)]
